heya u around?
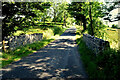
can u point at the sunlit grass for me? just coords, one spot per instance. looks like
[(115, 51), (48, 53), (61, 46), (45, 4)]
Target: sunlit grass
[(29, 31), (56, 29), (17, 33), (111, 35), (23, 51), (49, 34)]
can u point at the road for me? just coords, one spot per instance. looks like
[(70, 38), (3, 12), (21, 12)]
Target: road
[(58, 60)]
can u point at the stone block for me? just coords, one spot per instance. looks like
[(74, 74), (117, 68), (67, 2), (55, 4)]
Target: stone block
[(95, 44), (16, 41)]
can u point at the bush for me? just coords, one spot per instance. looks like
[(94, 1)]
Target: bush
[(57, 30), (109, 61), (48, 33)]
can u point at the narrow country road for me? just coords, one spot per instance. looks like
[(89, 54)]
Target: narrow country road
[(58, 60)]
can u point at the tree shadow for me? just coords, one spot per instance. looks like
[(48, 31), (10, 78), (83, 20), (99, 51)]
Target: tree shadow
[(57, 60)]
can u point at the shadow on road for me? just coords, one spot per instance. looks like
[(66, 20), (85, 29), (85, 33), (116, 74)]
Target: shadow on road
[(58, 60)]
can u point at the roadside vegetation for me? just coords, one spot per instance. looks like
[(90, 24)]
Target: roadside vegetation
[(53, 18), (49, 35), (53, 29), (106, 64), (23, 51), (22, 18)]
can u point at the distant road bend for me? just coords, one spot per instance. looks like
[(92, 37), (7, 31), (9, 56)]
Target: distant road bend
[(58, 60)]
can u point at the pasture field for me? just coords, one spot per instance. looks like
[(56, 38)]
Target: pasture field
[(112, 36)]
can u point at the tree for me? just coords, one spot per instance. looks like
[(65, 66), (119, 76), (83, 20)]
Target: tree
[(75, 9), (59, 12), (93, 12), (45, 6), (64, 13), (88, 13), (91, 21), (19, 15)]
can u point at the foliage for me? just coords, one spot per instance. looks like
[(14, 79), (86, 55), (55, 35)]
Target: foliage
[(59, 12), (75, 9), (26, 15), (57, 30), (89, 13), (23, 51), (20, 15), (70, 21), (103, 66), (93, 12)]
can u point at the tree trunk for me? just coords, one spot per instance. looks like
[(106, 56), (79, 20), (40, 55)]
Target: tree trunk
[(84, 23), (65, 17), (92, 32), (54, 16), (80, 23), (64, 20)]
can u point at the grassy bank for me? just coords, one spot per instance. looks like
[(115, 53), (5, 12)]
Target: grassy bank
[(49, 34), (103, 66)]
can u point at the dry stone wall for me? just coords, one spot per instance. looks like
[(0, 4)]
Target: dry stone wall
[(95, 44), (16, 41)]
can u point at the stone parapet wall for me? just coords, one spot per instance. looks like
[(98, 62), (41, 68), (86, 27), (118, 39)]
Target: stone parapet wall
[(16, 41), (95, 44)]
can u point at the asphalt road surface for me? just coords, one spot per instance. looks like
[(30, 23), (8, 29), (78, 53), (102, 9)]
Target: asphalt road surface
[(58, 60)]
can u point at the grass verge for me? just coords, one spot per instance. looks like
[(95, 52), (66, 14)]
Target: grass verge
[(48, 34), (23, 51), (104, 66)]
